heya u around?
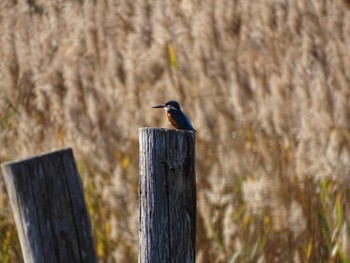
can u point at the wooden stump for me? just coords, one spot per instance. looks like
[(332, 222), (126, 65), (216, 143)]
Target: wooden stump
[(167, 191), (47, 200)]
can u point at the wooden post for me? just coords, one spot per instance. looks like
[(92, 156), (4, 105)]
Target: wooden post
[(167, 191), (47, 200)]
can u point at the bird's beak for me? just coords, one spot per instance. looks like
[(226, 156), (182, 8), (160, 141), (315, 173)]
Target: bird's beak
[(159, 106)]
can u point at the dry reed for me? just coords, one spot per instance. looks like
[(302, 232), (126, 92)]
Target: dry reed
[(265, 83)]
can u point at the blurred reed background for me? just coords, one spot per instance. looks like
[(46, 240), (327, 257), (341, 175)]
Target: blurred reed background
[(265, 83)]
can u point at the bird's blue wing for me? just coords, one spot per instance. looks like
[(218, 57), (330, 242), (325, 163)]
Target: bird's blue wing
[(188, 123), (181, 119)]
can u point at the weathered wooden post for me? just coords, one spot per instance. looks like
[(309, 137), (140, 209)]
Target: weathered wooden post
[(167, 191), (47, 200)]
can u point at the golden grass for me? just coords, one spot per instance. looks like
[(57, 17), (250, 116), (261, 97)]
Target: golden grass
[(265, 83)]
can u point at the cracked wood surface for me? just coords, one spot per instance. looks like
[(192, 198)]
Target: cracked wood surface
[(47, 200), (167, 192)]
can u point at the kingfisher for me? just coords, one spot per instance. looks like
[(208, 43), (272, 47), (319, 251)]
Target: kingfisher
[(175, 116)]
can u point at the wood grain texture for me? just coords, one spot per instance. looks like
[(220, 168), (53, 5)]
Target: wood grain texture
[(167, 192), (47, 200)]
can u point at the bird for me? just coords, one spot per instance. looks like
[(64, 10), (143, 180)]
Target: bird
[(175, 116)]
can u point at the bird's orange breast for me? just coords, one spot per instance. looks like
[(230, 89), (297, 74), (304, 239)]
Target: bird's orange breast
[(171, 120)]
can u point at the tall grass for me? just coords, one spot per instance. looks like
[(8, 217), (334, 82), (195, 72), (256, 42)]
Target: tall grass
[(265, 83)]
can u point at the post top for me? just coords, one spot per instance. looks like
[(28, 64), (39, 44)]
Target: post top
[(148, 129), (40, 155)]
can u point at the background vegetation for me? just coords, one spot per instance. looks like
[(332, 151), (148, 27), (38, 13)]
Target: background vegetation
[(264, 82)]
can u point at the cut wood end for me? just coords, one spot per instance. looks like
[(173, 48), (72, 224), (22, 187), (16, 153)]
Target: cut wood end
[(44, 154), (142, 129)]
